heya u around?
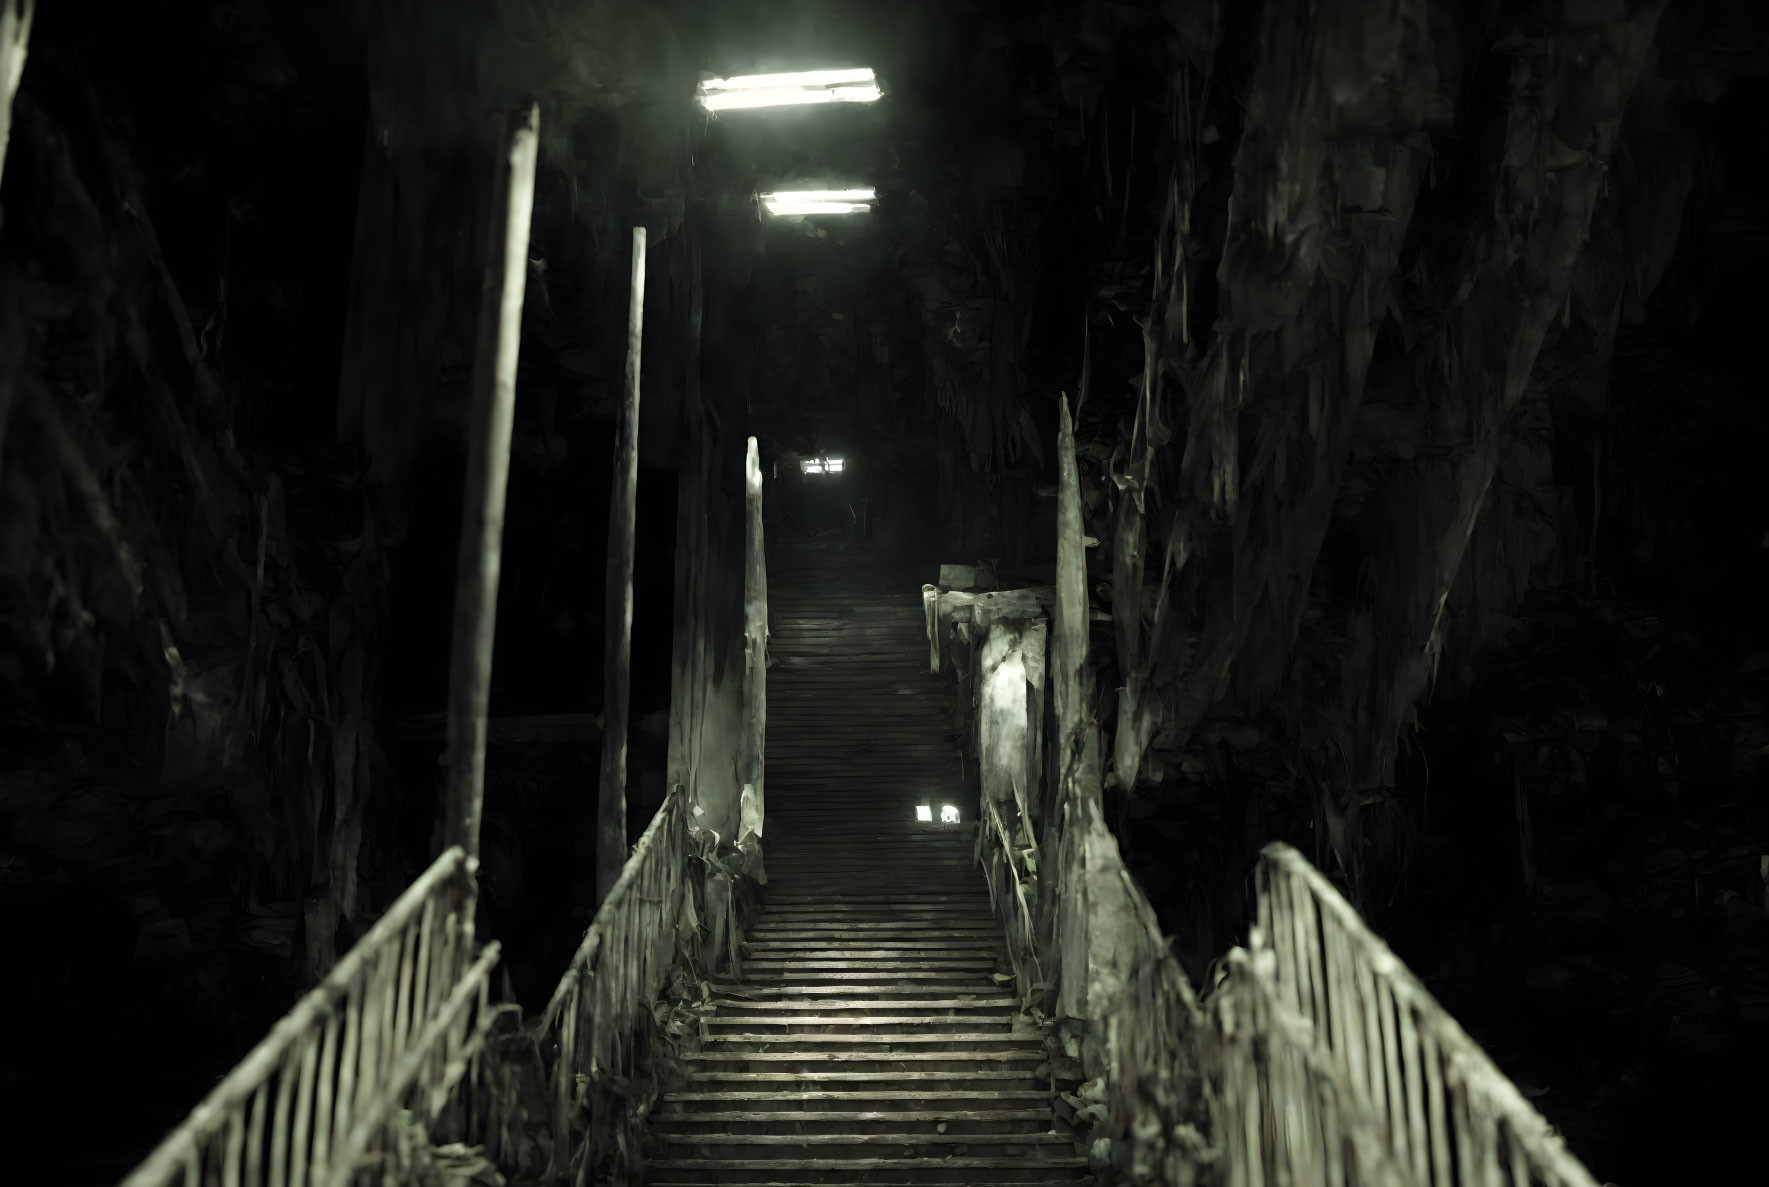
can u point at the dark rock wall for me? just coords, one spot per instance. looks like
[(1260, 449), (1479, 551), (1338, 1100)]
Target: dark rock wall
[(192, 611)]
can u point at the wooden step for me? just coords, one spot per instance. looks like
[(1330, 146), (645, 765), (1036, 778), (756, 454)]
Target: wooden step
[(935, 1007), (858, 1099), (670, 1172)]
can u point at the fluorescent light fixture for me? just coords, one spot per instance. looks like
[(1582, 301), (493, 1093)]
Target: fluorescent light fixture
[(821, 465), (790, 202), (924, 813), (948, 814), (750, 91)]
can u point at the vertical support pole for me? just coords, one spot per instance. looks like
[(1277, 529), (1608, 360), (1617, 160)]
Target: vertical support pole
[(488, 471), (755, 648), (617, 651), (687, 643), (15, 43)]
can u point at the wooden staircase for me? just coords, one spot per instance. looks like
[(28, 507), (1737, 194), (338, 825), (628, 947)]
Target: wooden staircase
[(875, 1036)]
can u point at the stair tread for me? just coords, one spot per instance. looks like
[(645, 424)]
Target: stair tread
[(861, 1040), (813, 1094), (956, 1162), (1001, 1055), (863, 1020), (951, 1003), (855, 1077), (794, 1115), (868, 1139)]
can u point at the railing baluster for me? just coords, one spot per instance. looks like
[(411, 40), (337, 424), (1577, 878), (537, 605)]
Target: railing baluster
[(389, 994), (279, 1120), (325, 1109), (368, 1064), (1520, 1173), (300, 1150), (236, 1144), (1353, 1044), (1418, 1139), (347, 1057), (1311, 931), (1370, 991), (402, 1006), (1431, 1056), (254, 1165), (1392, 1101)]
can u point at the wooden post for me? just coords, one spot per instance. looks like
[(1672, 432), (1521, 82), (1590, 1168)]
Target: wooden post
[(15, 43), (617, 652), (687, 640), (488, 471), (755, 648)]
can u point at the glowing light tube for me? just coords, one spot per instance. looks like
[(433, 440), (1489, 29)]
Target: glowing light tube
[(794, 202), (750, 91)]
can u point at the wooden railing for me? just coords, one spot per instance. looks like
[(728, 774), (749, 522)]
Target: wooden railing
[(1011, 868), (397, 1024), (1448, 1115), (679, 881), (1082, 938), (600, 1016), (1285, 1112)]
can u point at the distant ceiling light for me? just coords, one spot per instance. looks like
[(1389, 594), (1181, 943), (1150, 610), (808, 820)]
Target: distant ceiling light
[(788, 90), (821, 465), (924, 813), (794, 202)]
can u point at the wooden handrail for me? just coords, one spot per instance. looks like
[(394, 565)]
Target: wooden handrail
[(1446, 1098), (385, 995)]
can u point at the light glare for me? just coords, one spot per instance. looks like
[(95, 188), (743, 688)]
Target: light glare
[(748, 91), (948, 814), (924, 813), (796, 202)]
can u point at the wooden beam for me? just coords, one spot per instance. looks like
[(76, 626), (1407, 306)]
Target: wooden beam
[(488, 470), (617, 653)]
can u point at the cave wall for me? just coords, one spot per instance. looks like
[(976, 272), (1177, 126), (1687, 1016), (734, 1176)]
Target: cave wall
[(1351, 281), (232, 379), (189, 620)]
